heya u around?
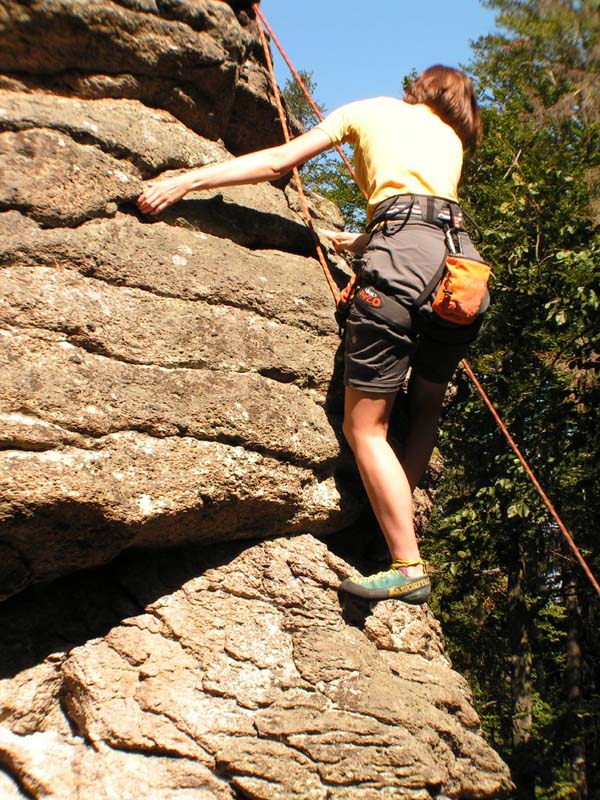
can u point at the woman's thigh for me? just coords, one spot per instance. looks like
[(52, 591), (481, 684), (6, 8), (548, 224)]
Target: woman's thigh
[(367, 413)]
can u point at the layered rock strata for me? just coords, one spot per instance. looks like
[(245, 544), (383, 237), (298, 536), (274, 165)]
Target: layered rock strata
[(162, 381)]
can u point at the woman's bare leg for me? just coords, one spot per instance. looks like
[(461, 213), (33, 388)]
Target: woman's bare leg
[(366, 419), (425, 406)]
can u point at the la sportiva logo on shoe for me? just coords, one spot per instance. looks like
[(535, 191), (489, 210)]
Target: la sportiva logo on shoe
[(412, 586), (370, 296)]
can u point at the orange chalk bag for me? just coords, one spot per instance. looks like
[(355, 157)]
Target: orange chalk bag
[(462, 289), (459, 287)]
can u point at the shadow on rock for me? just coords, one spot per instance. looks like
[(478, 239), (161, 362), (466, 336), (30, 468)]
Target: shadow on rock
[(56, 616)]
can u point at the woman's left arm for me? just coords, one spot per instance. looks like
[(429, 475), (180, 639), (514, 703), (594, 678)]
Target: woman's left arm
[(351, 242), (264, 165)]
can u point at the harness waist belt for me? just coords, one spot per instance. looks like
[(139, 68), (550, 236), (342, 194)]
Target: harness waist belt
[(434, 210)]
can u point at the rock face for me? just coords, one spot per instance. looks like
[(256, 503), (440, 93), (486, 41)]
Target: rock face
[(249, 679), (198, 59), (176, 383), (163, 381)]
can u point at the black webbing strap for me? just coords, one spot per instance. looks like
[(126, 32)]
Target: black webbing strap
[(430, 214), (428, 290)]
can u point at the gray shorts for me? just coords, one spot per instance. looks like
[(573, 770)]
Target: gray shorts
[(401, 259)]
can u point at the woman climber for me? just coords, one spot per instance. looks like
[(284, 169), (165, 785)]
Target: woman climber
[(408, 157)]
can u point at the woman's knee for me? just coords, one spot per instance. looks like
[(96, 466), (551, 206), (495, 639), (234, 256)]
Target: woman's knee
[(354, 431), (358, 434), (366, 416)]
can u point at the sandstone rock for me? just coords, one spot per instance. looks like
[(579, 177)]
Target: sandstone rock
[(253, 101), (194, 59), (103, 38), (106, 36), (169, 332), (122, 336), (58, 182), (53, 766), (82, 508), (180, 260), (241, 677), (151, 139)]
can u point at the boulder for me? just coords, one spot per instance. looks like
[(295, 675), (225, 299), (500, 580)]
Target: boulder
[(242, 674)]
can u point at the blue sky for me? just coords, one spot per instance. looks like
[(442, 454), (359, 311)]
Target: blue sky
[(363, 49)]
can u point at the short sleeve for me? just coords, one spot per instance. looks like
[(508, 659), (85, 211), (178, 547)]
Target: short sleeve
[(339, 124)]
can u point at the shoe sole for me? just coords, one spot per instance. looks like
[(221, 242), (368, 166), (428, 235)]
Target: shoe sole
[(403, 592)]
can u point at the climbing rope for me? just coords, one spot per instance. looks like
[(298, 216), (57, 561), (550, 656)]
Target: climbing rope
[(302, 86), (336, 294), (286, 135), (531, 475)]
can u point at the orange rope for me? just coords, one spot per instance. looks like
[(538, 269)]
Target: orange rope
[(336, 293), (286, 134), (302, 85), (532, 477)]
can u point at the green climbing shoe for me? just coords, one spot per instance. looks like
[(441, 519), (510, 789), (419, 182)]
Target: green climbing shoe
[(391, 584)]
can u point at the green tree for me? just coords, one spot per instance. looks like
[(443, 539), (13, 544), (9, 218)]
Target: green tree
[(519, 613), (297, 101)]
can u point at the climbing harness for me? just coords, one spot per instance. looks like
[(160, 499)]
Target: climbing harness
[(354, 293), (458, 288)]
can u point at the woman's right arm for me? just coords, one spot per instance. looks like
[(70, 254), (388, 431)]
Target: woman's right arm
[(264, 165)]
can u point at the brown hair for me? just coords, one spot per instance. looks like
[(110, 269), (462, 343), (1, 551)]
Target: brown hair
[(449, 92)]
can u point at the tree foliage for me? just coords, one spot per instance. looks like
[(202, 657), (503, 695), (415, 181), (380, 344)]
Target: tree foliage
[(520, 614)]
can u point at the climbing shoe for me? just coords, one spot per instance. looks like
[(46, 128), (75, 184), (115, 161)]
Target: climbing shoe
[(391, 584)]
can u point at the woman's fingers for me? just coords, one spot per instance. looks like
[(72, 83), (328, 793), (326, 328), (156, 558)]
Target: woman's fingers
[(336, 238), (341, 240), (147, 200), (160, 194), (152, 200), (333, 235)]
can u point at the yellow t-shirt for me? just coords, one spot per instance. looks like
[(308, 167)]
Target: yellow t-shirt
[(399, 148)]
